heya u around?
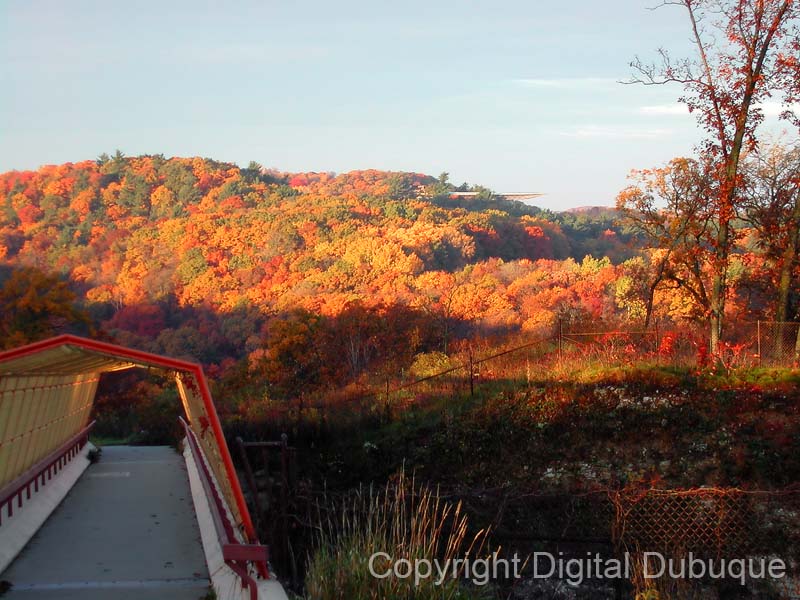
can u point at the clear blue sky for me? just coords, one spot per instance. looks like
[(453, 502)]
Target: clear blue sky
[(514, 95)]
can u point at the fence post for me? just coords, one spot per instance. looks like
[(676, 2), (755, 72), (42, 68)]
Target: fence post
[(251, 480), (758, 341), (560, 338), (471, 374), (797, 346), (387, 408), (285, 495)]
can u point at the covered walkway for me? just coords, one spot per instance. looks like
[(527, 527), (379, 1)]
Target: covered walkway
[(140, 523), (127, 529)]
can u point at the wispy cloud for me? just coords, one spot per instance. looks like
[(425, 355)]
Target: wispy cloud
[(615, 132), (566, 82)]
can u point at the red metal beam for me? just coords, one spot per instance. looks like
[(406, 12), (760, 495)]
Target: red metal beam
[(130, 354), (245, 552)]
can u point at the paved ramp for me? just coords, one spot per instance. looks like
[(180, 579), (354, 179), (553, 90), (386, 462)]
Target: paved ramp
[(127, 530)]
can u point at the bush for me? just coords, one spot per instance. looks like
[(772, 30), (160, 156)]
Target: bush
[(430, 363)]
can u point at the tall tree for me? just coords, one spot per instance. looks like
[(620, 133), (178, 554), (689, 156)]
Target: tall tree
[(670, 207), (735, 67), (772, 206)]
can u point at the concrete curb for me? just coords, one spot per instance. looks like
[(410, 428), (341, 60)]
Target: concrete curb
[(226, 583)]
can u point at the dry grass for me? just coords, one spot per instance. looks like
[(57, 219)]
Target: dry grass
[(404, 520)]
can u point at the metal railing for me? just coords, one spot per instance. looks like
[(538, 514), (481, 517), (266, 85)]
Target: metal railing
[(41, 472), (235, 554), (273, 524)]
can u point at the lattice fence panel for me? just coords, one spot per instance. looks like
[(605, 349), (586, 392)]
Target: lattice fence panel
[(712, 524)]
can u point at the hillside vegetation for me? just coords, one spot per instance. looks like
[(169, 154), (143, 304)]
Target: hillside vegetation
[(194, 257), (197, 257)]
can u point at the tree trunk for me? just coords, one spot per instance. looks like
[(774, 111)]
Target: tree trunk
[(785, 281), (782, 309), (719, 286), (797, 347), (787, 265), (651, 292)]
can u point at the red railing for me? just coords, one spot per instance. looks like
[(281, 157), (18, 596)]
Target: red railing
[(235, 554), (41, 472)]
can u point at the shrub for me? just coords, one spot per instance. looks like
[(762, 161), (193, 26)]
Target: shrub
[(430, 363)]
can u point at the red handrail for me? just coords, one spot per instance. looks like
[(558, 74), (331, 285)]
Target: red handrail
[(45, 469), (142, 358), (235, 554)]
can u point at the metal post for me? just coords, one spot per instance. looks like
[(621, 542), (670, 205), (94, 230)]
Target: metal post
[(251, 480), (560, 338), (285, 495), (388, 411), (758, 341), (471, 373), (265, 460)]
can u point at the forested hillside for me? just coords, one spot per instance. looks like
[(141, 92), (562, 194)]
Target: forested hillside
[(336, 274)]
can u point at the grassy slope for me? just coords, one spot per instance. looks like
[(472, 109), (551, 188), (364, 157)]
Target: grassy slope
[(590, 429)]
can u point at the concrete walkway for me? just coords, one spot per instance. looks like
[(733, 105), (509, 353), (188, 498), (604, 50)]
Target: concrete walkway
[(127, 530)]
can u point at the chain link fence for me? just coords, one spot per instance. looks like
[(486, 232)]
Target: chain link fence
[(763, 343), (743, 344), (710, 525)]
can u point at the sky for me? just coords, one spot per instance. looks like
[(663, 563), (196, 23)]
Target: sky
[(518, 96)]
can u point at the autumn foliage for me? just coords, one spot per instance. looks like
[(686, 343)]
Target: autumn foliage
[(314, 279)]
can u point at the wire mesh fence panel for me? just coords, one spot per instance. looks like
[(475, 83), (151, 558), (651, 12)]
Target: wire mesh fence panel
[(609, 346), (777, 343), (660, 343), (707, 524), (710, 525), (743, 344), (760, 343), (714, 526), (740, 346)]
